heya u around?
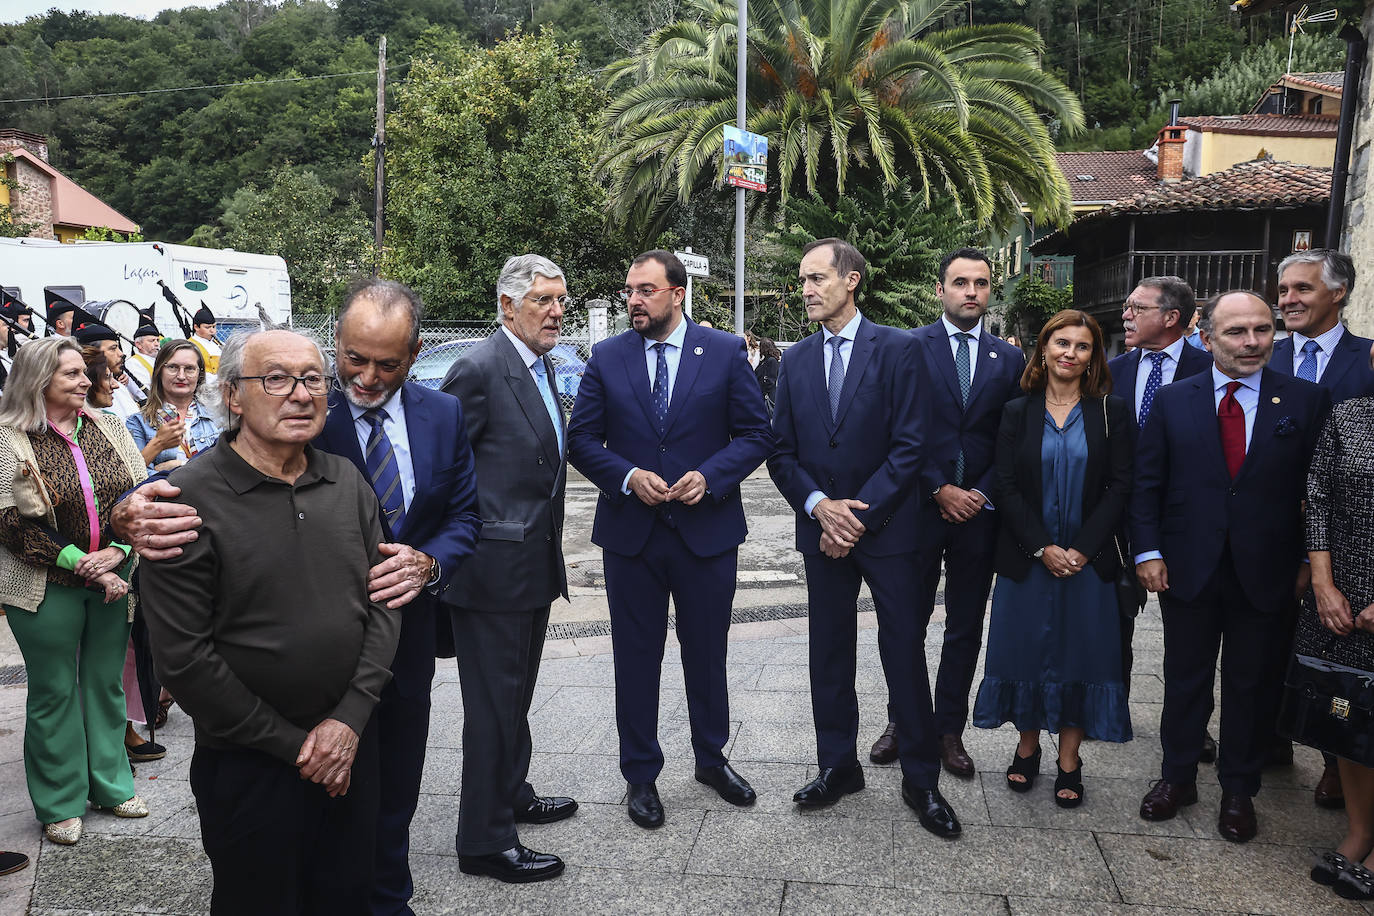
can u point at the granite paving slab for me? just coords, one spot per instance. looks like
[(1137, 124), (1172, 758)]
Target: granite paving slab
[(803, 899), (603, 836), (612, 892), (827, 850), (96, 874)]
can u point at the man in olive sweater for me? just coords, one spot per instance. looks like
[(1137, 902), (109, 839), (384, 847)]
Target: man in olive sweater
[(263, 630)]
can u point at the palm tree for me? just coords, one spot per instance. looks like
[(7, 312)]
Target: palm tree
[(847, 91)]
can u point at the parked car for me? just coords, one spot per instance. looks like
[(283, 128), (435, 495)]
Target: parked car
[(433, 364)]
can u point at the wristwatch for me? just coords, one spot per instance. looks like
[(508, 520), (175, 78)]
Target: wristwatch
[(435, 571), (1039, 553)]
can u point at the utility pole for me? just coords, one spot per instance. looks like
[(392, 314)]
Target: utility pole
[(379, 146), (741, 70)]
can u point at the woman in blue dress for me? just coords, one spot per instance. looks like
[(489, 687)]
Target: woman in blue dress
[(175, 424), (1063, 480)]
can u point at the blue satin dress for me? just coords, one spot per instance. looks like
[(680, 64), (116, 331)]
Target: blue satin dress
[(1054, 645)]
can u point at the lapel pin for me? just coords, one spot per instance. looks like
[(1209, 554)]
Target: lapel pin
[(992, 354), (698, 351), (1275, 399)]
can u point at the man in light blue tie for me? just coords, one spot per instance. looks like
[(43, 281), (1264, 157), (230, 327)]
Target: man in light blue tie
[(500, 598)]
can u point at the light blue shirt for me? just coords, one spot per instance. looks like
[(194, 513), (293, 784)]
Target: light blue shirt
[(976, 332), (1247, 396), (1167, 371), (1326, 344), (535, 365), (847, 335), (672, 355), (395, 428)]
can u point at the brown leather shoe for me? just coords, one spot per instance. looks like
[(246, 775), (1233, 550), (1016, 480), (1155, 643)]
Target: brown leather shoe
[(885, 748), (1163, 801), (955, 759), (1329, 793), (1237, 819)]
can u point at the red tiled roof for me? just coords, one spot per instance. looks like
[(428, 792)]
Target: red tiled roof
[(1265, 125), (73, 205), (1106, 176), (1259, 185), (1328, 80)]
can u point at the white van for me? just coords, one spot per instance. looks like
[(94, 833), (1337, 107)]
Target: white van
[(124, 277)]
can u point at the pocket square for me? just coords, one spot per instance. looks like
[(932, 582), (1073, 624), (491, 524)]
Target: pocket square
[(1285, 427)]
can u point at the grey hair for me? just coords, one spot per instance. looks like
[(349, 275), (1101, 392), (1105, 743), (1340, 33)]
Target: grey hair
[(231, 372), (22, 405), (1204, 320), (517, 276), (1338, 268), (1175, 295), (388, 295)]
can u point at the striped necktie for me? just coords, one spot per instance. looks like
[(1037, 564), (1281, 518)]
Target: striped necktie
[(382, 470)]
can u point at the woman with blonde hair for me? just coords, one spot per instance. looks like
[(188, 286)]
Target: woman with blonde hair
[(64, 586), (175, 424)]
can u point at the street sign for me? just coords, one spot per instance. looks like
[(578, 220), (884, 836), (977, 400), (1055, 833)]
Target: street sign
[(697, 264), (746, 159)]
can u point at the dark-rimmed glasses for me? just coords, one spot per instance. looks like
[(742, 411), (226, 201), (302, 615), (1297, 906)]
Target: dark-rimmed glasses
[(280, 385), (629, 293)]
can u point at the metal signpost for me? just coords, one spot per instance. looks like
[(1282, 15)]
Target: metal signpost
[(697, 266)]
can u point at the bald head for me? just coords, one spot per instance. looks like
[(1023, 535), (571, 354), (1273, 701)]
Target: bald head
[(1238, 328)]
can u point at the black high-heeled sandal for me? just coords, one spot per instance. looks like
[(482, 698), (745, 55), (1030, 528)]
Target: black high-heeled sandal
[(1027, 767), (1072, 781)]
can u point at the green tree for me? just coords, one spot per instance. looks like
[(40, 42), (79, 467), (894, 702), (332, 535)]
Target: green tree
[(849, 93), (490, 155), (294, 215)]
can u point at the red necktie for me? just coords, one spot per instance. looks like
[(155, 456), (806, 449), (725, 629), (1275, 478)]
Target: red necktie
[(1231, 421)]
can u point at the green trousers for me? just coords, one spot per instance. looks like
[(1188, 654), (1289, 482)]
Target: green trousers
[(73, 650)]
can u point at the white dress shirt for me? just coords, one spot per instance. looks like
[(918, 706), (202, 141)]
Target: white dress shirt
[(976, 332), (1167, 370), (1326, 345), (847, 335), (672, 355), (395, 427)]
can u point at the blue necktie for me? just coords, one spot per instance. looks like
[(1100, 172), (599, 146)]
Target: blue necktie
[(964, 367), (1152, 383), (836, 379), (661, 387), (383, 471), (1307, 369), (541, 381)]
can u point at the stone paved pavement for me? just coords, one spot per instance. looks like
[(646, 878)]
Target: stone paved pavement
[(1019, 853)]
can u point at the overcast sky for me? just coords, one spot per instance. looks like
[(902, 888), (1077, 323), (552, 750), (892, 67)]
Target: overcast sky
[(19, 10)]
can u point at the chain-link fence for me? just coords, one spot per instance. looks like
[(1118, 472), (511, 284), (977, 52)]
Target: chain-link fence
[(447, 341)]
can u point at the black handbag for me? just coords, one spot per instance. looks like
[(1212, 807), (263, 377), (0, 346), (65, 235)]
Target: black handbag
[(1130, 594), (1329, 706)]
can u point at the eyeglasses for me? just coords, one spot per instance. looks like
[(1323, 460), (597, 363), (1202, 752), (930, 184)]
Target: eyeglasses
[(546, 301), (281, 385), (645, 292), (1138, 309), (181, 370)]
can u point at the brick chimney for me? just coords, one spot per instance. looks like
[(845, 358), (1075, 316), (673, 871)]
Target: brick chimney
[(1170, 146), (35, 143)]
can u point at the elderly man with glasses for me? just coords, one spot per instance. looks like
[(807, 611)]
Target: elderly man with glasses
[(669, 420), (264, 631)]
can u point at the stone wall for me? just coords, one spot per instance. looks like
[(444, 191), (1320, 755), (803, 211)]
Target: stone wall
[(32, 202), (1358, 235)]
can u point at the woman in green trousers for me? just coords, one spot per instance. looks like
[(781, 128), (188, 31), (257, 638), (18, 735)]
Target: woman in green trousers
[(64, 585)]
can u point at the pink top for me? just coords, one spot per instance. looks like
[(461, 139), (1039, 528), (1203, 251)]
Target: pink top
[(82, 472)]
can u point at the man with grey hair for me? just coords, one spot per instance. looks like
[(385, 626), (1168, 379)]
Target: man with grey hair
[(499, 600), (267, 636), (1313, 287)]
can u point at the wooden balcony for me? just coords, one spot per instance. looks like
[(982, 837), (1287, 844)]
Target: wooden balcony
[(1102, 287)]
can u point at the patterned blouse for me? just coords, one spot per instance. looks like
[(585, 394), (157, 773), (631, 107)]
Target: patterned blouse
[(31, 540)]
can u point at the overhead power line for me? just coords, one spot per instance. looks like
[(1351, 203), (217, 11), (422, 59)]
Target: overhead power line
[(283, 79)]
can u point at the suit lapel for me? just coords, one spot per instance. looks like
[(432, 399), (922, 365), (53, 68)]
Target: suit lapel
[(989, 365), (637, 375), (1348, 354), (858, 362), (937, 343), (1205, 419), (339, 435), (421, 459), (694, 352), (1282, 360), (1266, 418), (526, 394), (1128, 383), (815, 377)]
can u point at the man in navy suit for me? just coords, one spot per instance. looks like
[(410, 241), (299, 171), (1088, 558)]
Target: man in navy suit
[(849, 428), (412, 444), (1216, 525), (1156, 315), (669, 420), (1313, 287), (969, 375)]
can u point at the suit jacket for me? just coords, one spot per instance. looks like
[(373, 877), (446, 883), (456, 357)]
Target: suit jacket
[(1126, 367), (716, 424), (871, 452), (518, 562), (1106, 484), (954, 426), (442, 517), (1186, 505), (1348, 374)]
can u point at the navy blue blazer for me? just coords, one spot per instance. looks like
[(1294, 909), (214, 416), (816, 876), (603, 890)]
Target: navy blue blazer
[(1125, 367), (972, 427), (872, 452), (1186, 505), (716, 425), (1347, 374)]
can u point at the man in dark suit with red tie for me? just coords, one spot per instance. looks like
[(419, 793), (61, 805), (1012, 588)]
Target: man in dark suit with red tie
[(1216, 526)]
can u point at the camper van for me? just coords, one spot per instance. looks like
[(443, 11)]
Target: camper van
[(118, 279)]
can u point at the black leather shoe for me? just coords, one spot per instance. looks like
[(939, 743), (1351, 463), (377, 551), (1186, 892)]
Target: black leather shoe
[(934, 812), (1208, 754), (644, 805), (728, 784), (12, 861), (546, 809), (885, 748), (517, 865), (1236, 822), (830, 785), (1165, 798)]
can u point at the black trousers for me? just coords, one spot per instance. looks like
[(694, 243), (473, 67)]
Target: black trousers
[(278, 844), (966, 550), (637, 590), (1253, 647), (832, 588), (498, 663)]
